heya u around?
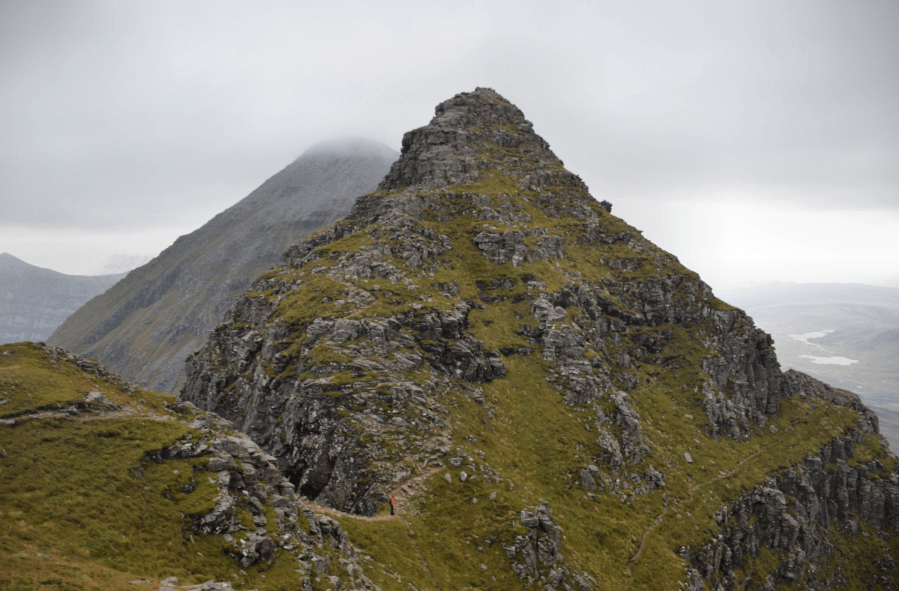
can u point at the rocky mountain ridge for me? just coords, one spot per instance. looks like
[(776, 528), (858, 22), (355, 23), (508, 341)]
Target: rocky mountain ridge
[(148, 324), (482, 325), (845, 334)]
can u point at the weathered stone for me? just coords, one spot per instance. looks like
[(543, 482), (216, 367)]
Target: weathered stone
[(817, 493), (99, 398), (537, 555), (632, 447)]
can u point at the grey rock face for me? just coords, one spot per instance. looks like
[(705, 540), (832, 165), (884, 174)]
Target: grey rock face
[(249, 479), (823, 491), (162, 312), (797, 512), (751, 364), (445, 152), (536, 555), (864, 325), (35, 301), (633, 449), (293, 412), (510, 247)]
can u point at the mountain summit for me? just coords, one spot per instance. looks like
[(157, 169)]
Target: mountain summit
[(145, 326), (549, 397), (451, 149)]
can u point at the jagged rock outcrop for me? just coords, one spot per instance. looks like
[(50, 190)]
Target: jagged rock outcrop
[(35, 301), (800, 515), (806, 386), (445, 152), (481, 300), (863, 325), (536, 555), (803, 513), (248, 479), (162, 312)]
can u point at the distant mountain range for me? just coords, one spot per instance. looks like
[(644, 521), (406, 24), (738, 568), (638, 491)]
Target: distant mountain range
[(34, 301), (147, 325), (845, 334)]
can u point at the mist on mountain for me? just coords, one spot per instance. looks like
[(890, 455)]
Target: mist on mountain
[(161, 312)]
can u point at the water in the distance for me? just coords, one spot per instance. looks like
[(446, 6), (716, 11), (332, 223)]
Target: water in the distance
[(803, 338), (830, 360)]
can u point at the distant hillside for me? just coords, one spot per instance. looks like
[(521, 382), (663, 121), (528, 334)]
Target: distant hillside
[(863, 321), (146, 327), (34, 301)]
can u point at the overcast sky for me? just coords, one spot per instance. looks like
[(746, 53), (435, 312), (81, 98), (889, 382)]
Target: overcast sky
[(758, 141)]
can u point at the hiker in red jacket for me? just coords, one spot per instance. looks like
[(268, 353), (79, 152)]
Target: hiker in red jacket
[(392, 504)]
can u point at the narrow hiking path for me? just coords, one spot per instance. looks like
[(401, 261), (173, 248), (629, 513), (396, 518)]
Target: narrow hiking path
[(90, 413), (660, 517), (402, 492), (355, 289), (655, 523), (658, 520)]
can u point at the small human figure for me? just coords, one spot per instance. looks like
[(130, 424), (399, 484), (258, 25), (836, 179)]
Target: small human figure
[(392, 505)]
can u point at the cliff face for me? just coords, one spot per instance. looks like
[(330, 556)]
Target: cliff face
[(35, 301), (793, 528), (862, 326), (553, 397), (149, 323)]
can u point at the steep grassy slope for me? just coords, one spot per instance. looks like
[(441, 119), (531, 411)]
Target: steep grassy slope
[(35, 301), (102, 483), (554, 400), (146, 326)]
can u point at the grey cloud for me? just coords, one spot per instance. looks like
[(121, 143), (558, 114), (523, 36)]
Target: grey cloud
[(130, 114)]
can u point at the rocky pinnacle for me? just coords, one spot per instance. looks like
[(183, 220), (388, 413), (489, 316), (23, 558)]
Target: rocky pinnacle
[(482, 326)]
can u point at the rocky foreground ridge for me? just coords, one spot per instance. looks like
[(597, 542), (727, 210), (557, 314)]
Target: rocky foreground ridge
[(582, 411), (146, 326), (102, 481)]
